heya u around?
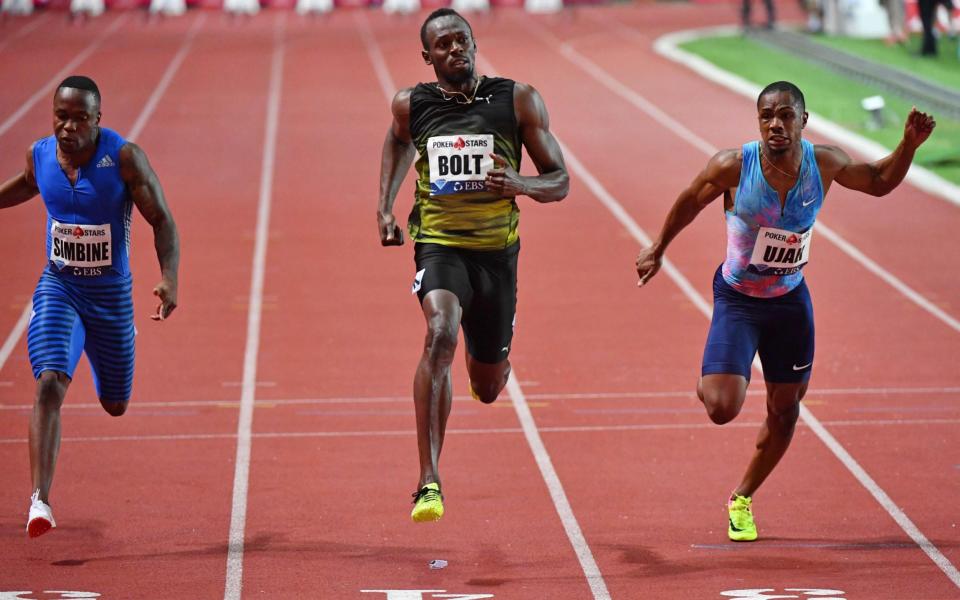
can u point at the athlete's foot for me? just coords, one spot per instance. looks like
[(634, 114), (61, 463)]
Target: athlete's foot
[(40, 519), (741, 526), (427, 504)]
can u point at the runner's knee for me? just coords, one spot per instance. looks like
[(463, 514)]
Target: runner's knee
[(722, 396), (722, 413), (51, 389), (486, 392), (114, 409), (488, 388), (784, 404), (722, 405), (441, 342), (782, 417)]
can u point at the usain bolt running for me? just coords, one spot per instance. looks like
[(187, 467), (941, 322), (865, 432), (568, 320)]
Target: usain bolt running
[(468, 130)]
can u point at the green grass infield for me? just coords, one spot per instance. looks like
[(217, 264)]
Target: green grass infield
[(836, 97)]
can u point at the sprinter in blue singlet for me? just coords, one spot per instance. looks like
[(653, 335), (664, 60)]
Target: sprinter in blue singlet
[(773, 189), (89, 178)]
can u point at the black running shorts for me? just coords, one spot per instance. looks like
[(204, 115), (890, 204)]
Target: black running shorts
[(485, 282)]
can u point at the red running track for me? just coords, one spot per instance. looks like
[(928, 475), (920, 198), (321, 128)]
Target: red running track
[(144, 503)]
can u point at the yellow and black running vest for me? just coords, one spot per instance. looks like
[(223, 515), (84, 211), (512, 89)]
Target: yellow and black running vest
[(452, 206)]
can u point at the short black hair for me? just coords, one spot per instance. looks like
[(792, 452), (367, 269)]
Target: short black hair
[(784, 86), (440, 12), (81, 82)]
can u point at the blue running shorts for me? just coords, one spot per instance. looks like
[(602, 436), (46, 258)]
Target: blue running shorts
[(780, 329), (72, 317)]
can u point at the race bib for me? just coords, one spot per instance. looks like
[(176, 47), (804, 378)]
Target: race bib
[(780, 252), (459, 163), (80, 246)]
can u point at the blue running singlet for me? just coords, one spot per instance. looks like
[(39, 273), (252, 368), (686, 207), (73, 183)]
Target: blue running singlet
[(83, 300), (88, 223), (768, 245)]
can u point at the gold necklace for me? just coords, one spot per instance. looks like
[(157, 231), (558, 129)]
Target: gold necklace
[(453, 95), (770, 162)]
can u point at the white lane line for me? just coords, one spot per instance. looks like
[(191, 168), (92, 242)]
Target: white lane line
[(881, 496), (37, 21), (587, 563), (165, 80), (135, 131), (893, 281), (671, 124), (678, 394), (621, 214), (668, 46), (380, 68), (684, 133), (579, 542), (19, 327), (179, 437), (238, 516), (47, 89), (15, 334), (560, 501)]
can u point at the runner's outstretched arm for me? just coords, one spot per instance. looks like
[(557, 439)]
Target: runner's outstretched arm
[(19, 188), (552, 183), (721, 173), (880, 177), (148, 196), (398, 155)]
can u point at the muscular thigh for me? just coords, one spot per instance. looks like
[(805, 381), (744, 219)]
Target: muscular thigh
[(787, 342), (488, 323), (55, 334), (441, 268), (107, 314), (734, 332)]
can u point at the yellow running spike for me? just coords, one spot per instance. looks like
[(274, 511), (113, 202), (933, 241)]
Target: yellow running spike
[(427, 504)]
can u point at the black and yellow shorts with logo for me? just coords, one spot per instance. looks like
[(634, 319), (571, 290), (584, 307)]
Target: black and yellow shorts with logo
[(485, 282)]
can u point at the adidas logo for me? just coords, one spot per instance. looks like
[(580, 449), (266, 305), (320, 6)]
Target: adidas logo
[(106, 161)]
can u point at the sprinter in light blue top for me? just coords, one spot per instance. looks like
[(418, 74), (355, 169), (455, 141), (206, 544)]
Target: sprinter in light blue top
[(768, 242), (772, 190), (89, 178)]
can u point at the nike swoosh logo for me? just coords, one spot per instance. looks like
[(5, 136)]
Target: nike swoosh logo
[(734, 527), (809, 203), (796, 368)]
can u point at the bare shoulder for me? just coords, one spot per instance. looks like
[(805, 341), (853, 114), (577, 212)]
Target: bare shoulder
[(132, 156), (133, 162), (830, 158), (525, 95), (727, 158), (30, 150), (528, 105), (131, 151), (827, 152), (723, 168), (28, 170), (400, 105), (523, 90)]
